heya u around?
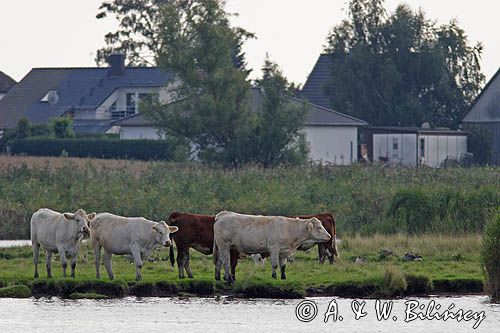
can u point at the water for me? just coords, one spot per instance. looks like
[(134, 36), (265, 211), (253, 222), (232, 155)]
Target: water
[(14, 243), (221, 314)]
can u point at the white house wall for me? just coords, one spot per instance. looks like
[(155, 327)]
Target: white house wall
[(405, 153), (336, 145), (138, 132)]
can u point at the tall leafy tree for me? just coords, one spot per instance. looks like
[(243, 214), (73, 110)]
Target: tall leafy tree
[(210, 94), (137, 33), (402, 68), (277, 136)]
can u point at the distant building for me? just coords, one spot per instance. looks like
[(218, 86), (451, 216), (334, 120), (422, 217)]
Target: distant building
[(413, 146), (332, 136), (485, 113), (313, 88), (93, 97), (6, 84)]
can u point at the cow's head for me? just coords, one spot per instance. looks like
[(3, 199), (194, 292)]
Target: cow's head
[(82, 221), (316, 230), (162, 233)]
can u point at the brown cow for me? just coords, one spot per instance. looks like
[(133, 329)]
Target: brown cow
[(196, 231)]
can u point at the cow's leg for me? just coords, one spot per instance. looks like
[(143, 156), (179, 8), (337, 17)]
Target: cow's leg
[(136, 252), (217, 261), (180, 261), (235, 255), (48, 263), (64, 261), (107, 264), (73, 264), (97, 258), (36, 252), (274, 261), (225, 258), (321, 253), (331, 251), (186, 265), (283, 258)]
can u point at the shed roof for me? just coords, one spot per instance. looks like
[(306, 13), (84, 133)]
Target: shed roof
[(416, 130)]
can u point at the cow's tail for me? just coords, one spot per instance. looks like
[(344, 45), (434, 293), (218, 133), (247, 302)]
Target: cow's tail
[(171, 255), (215, 252), (334, 237)]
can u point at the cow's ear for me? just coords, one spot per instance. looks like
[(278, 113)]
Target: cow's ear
[(69, 216), (91, 216), (310, 226), (172, 229)]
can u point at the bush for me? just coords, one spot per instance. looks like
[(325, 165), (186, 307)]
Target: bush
[(98, 148), (444, 210), (17, 291), (490, 257)]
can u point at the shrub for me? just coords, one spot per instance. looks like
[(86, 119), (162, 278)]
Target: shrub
[(98, 148), (490, 257), (17, 291)]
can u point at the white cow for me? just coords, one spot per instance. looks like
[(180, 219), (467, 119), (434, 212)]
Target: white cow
[(135, 236), (58, 233), (279, 236)]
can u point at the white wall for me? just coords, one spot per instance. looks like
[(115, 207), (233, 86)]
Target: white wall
[(333, 144), (440, 147), (138, 132), (406, 148)]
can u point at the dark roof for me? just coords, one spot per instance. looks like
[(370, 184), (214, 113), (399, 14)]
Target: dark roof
[(135, 120), (313, 88), (416, 130), (486, 106), (317, 116), (77, 88), (6, 83), (91, 126)]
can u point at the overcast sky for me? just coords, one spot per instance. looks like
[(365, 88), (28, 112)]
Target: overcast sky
[(62, 33)]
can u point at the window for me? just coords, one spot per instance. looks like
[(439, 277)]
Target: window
[(395, 147), (422, 147), (131, 102), (50, 97)]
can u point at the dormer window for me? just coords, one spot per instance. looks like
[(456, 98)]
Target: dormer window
[(52, 97)]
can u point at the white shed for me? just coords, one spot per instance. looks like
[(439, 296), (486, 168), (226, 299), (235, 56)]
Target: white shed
[(412, 146)]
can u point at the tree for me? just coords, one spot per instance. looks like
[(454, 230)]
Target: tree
[(479, 143), (139, 32), (62, 127), (137, 35), (401, 69), (210, 109), (277, 137)]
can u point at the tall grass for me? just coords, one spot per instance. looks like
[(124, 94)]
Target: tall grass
[(490, 258), (365, 200)]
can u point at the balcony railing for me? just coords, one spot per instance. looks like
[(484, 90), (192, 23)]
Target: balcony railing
[(119, 113)]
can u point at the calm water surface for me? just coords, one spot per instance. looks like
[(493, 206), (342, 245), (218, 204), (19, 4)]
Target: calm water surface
[(222, 314)]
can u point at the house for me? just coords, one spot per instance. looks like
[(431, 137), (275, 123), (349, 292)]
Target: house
[(313, 88), (413, 146), (6, 83), (332, 136), (93, 97), (485, 114)]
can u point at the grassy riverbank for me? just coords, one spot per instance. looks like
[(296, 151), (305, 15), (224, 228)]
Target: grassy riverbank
[(450, 265)]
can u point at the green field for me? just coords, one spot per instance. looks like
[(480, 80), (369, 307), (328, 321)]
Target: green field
[(365, 199), (450, 265)]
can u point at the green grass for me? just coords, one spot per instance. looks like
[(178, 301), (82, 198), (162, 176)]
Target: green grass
[(365, 200), (450, 264)]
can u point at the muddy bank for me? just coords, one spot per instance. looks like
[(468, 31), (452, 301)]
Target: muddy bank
[(202, 288)]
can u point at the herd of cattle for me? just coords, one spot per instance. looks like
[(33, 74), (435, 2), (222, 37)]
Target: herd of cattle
[(226, 235)]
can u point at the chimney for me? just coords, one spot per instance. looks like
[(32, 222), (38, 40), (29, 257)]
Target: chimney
[(116, 62)]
